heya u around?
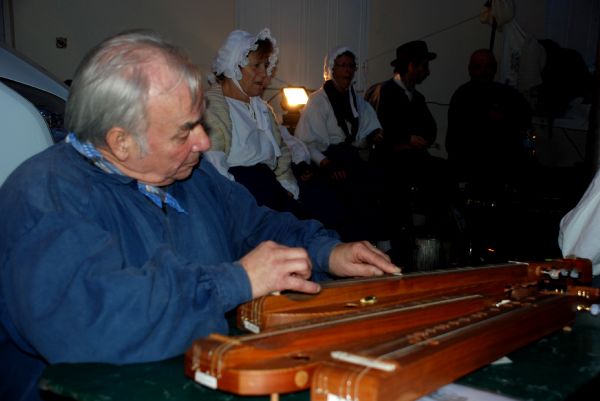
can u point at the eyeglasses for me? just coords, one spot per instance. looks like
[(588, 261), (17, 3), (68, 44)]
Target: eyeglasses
[(351, 66)]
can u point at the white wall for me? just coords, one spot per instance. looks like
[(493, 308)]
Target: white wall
[(451, 28), (460, 32), (197, 26), (305, 31)]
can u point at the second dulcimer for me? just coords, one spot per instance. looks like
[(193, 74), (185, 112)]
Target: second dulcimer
[(344, 297), (414, 364)]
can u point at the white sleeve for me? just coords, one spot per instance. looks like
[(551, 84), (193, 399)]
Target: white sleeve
[(291, 186), (298, 148), (368, 122), (312, 127), (580, 228)]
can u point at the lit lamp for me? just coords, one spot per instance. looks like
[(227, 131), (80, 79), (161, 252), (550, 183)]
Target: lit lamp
[(292, 101), (294, 98)]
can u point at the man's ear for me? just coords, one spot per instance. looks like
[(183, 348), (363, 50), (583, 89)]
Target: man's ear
[(120, 143)]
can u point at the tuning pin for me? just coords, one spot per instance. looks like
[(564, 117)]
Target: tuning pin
[(594, 309), (553, 273)]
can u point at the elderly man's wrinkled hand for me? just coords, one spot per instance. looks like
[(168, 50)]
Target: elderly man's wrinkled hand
[(360, 259), (273, 267)]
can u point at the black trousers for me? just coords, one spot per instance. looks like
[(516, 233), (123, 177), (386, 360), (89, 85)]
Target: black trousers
[(260, 180)]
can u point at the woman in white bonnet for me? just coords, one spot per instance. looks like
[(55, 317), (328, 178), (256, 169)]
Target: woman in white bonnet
[(246, 141), (335, 124)]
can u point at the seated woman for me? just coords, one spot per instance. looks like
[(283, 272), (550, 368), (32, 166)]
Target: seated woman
[(335, 125), (248, 145), (246, 142)]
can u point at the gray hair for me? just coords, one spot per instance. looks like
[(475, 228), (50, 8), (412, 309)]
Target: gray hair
[(111, 85)]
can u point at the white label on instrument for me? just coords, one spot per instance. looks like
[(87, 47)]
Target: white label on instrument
[(251, 327), (502, 361), (333, 397), (503, 302), (206, 380), (363, 361)]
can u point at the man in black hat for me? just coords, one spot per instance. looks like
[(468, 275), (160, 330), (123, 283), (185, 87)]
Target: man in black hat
[(408, 126), (409, 129)]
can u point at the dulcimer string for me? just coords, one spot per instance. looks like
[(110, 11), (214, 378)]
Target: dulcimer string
[(406, 345), (221, 349)]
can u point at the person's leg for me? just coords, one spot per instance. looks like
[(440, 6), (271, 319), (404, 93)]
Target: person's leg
[(263, 185)]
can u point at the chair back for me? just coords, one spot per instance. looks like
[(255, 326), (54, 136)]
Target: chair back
[(24, 131)]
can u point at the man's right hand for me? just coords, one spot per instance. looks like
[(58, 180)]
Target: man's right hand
[(274, 267)]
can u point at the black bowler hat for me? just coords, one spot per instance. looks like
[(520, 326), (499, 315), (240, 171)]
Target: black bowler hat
[(413, 51)]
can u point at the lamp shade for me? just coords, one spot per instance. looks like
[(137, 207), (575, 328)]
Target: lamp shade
[(294, 97)]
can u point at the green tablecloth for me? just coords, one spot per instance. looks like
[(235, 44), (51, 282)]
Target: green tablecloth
[(553, 368)]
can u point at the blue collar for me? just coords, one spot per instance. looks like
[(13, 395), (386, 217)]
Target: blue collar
[(157, 195)]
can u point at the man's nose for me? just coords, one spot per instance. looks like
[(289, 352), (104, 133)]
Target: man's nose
[(201, 140)]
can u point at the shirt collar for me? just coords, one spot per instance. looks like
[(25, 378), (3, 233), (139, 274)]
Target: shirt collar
[(400, 83), (157, 195)]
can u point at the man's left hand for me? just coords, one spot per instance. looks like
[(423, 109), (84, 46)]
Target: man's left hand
[(360, 259)]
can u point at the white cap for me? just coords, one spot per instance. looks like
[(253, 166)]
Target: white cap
[(330, 59), (234, 53)]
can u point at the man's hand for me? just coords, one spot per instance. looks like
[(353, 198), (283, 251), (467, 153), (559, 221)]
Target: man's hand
[(360, 259), (273, 267), (332, 170)]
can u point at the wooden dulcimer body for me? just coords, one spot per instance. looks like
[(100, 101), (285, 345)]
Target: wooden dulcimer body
[(349, 296), (283, 360), (421, 363), (431, 334)]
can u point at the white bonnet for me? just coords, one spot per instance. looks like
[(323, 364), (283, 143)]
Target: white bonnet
[(330, 59), (234, 53)]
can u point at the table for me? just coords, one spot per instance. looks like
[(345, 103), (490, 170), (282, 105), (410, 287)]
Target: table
[(557, 367)]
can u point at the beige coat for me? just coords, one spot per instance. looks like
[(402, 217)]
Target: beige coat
[(218, 122)]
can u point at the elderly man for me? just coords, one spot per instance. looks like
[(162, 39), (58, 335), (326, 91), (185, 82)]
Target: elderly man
[(118, 246)]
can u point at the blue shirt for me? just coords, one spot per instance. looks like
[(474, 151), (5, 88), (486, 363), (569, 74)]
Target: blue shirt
[(92, 270)]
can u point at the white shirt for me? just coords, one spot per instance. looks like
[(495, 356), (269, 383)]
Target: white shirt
[(251, 141), (580, 228), (398, 81), (318, 127)]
